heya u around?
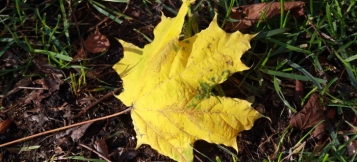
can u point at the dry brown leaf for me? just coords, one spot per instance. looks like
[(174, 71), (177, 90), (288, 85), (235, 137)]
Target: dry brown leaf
[(310, 115), (250, 14), (50, 84), (96, 42), (80, 55), (47, 68), (39, 119), (22, 83), (4, 125), (78, 132), (36, 96), (53, 80), (101, 147)]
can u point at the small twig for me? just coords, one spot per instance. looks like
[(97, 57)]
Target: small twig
[(98, 24), (63, 128), (339, 79), (96, 152), (320, 34), (30, 87), (96, 102)]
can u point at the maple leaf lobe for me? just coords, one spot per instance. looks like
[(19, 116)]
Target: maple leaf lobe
[(169, 84)]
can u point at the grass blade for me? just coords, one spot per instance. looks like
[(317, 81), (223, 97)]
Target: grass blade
[(292, 76), (306, 73)]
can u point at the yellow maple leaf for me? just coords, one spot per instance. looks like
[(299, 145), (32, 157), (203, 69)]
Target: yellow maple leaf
[(168, 83)]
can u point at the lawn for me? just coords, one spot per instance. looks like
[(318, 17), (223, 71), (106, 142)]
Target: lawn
[(58, 87)]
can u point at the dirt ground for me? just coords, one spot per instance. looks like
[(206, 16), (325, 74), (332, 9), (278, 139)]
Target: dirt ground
[(29, 110)]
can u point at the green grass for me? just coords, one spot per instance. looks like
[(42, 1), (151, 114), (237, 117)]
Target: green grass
[(35, 32), (331, 32), (286, 49), (46, 29), (332, 35)]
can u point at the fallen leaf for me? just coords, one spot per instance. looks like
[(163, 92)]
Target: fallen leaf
[(78, 132), (168, 84), (4, 125), (36, 96), (53, 80), (39, 119), (331, 113), (80, 55), (50, 83), (250, 14), (22, 83), (310, 115), (58, 150), (43, 64), (96, 42), (101, 147)]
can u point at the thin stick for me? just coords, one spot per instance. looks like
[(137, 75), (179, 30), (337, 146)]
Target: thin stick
[(109, 94), (320, 34), (30, 87), (63, 128), (96, 152)]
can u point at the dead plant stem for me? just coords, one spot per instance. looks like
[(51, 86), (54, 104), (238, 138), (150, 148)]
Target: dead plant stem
[(98, 153), (96, 102), (63, 128)]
